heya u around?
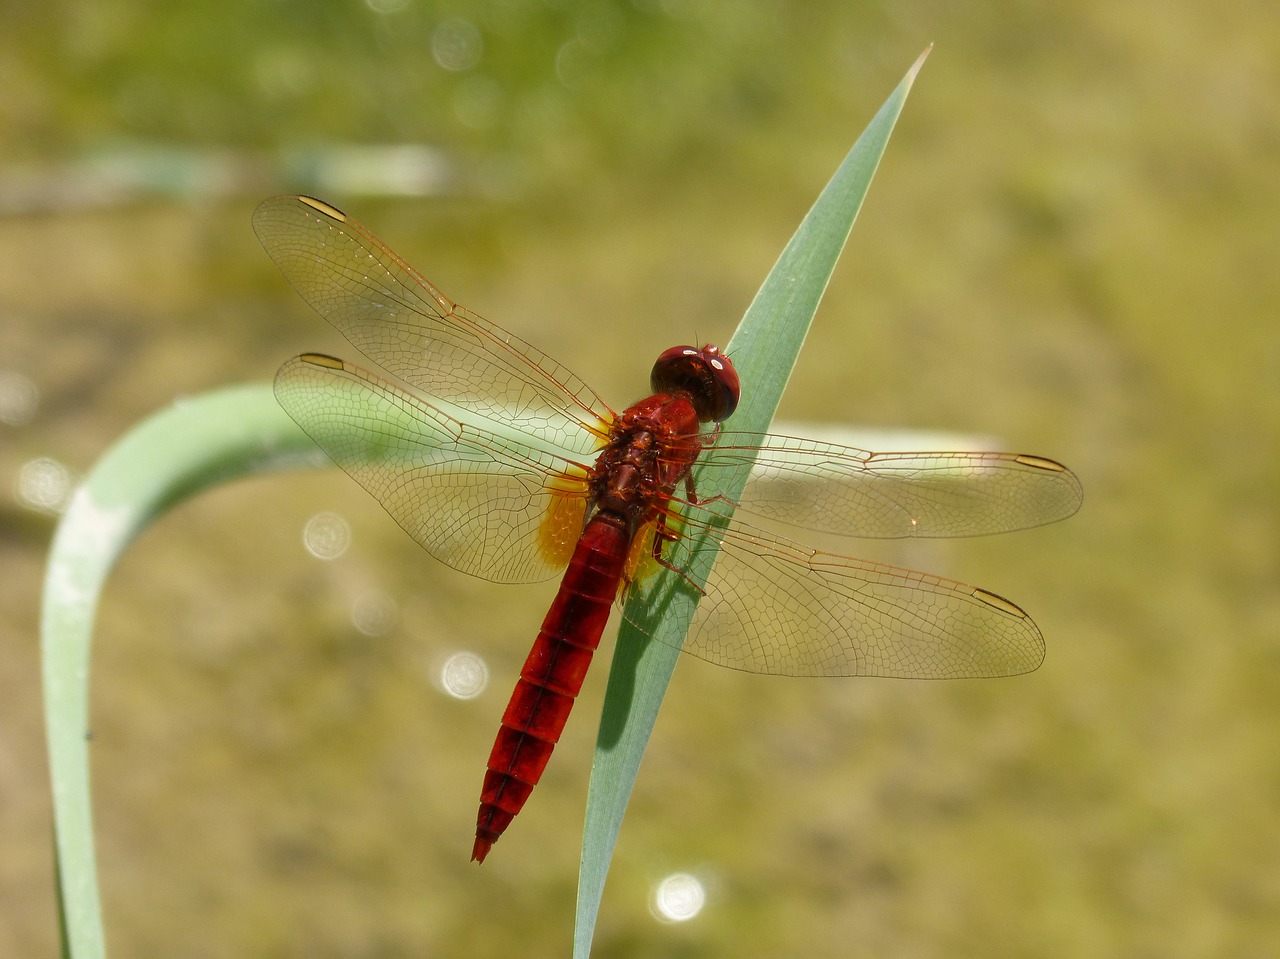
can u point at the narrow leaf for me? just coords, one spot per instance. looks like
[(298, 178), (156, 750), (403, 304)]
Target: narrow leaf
[(764, 350), (175, 454)]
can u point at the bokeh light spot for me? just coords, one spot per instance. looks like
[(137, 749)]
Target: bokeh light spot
[(326, 536), (43, 485), (18, 398), (456, 44), (677, 898), (464, 675), (374, 613)]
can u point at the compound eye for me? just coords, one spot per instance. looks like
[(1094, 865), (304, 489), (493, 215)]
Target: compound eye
[(705, 374)]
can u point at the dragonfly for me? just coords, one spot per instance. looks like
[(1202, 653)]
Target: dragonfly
[(503, 464)]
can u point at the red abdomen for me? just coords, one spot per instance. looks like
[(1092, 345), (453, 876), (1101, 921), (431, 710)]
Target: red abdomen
[(552, 676)]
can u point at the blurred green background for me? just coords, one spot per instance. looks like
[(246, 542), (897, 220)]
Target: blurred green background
[(1070, 246)]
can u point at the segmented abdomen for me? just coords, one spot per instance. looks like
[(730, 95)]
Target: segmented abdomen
[(552, 676)]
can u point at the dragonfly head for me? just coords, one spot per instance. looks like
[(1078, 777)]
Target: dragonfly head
[(705, 374)]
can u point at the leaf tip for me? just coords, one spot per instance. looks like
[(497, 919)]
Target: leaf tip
[(915, 67)]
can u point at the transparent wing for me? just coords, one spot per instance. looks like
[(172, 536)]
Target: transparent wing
[(853, 492), (404, 324), (480, 500), (501, 492), (774, 606)]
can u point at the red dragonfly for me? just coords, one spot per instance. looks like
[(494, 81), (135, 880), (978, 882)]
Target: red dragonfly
[(503, 464)]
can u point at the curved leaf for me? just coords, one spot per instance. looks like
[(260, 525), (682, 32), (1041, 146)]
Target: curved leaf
[(178, 452)]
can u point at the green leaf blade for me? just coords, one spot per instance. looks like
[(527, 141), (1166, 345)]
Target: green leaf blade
[(178, 452), (764, 350)]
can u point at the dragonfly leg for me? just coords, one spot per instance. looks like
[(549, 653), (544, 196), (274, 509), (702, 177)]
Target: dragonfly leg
[(691, 495), (661, 534)]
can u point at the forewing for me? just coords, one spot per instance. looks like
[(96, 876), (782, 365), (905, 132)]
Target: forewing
[(853, 492), (480, 500), (404, 324)]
